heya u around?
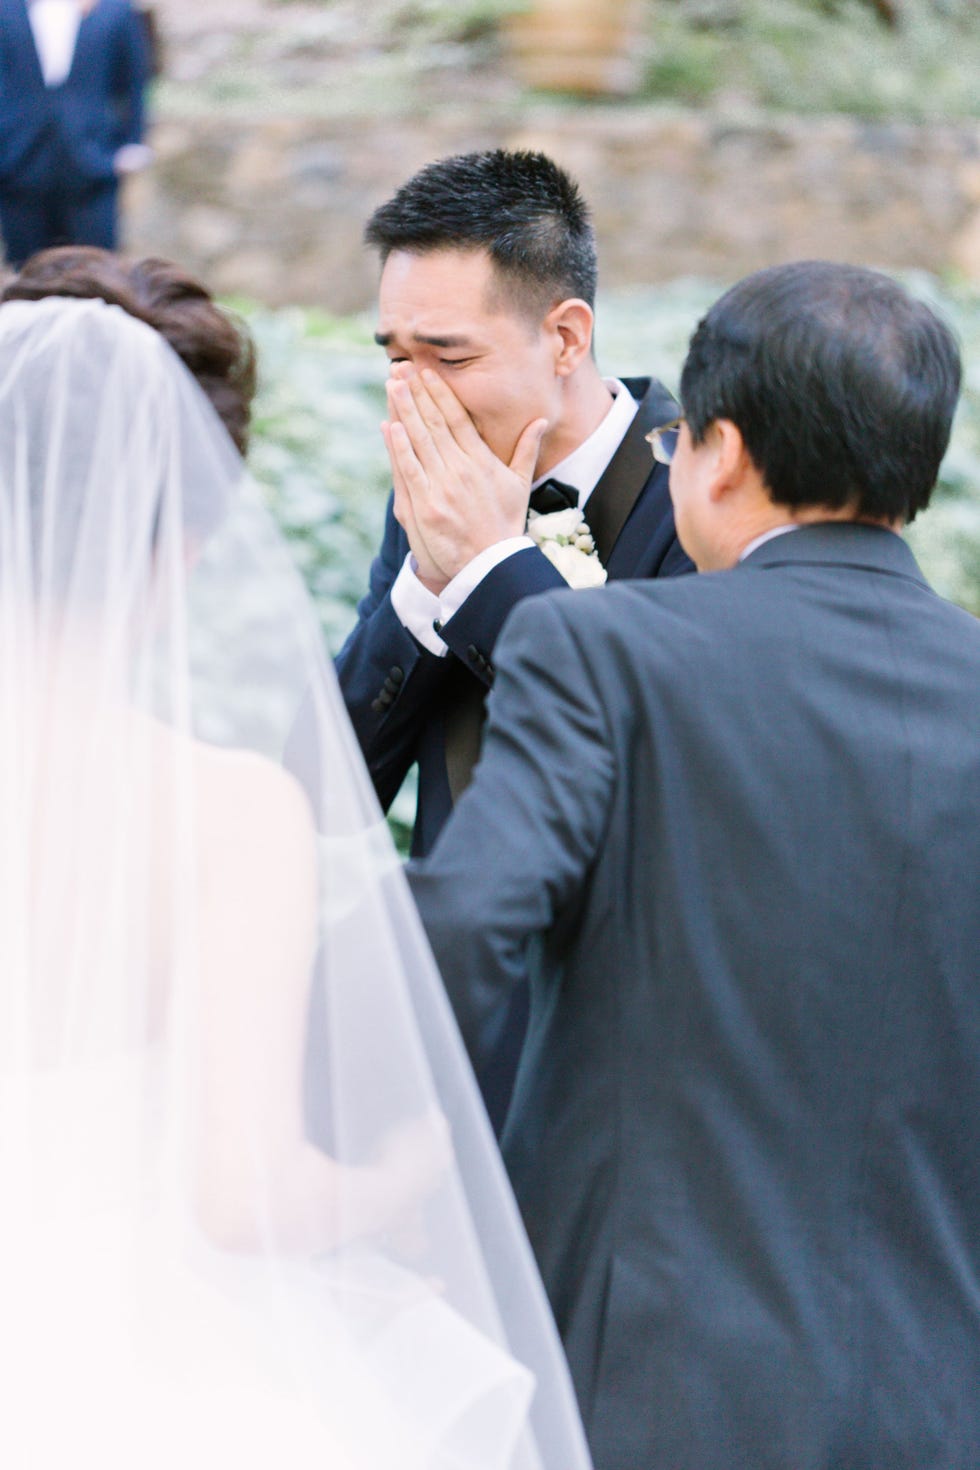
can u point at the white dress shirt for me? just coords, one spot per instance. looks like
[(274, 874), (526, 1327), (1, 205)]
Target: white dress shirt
[(770, 535), (417, 608), (55, 25)]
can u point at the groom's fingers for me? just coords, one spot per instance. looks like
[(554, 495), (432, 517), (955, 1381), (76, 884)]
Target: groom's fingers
[(464, 497), (408, 476), (450, 426), (404, 511), (525, 455), (403, 501), (450, 411), (404, 471), (422, 435)]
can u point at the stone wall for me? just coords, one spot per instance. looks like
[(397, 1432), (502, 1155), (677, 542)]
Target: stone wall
[(274, 208)]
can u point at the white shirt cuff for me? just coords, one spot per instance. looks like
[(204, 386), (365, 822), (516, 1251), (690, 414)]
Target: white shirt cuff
[(131, 157), (455, 593), (418, 609)]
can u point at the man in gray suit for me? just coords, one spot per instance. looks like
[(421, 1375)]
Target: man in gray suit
[(730, 826)]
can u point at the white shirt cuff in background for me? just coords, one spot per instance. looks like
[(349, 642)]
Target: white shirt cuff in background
[(131, 157)]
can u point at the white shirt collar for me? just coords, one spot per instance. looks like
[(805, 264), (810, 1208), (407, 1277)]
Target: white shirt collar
[(767, 536), (583, 468)]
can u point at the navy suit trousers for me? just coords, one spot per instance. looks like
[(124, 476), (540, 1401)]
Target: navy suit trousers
[(36, 221)]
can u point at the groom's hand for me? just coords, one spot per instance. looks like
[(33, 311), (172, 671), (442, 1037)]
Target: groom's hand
[(453, 496)]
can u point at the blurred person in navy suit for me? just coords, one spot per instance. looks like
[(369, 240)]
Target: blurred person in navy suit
[(72, 79)]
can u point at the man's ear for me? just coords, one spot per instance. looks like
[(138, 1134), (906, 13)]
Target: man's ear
[(572, 322), (730, 460)]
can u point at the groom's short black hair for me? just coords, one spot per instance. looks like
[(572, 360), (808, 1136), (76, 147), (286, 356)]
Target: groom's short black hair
[(842, 385), (520, 207)]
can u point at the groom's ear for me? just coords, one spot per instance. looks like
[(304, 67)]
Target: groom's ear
[(570, 324)]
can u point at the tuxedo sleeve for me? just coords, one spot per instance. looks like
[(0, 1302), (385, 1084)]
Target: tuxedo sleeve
[(388, 680), (132, 73), (472, 632), (515, 854)]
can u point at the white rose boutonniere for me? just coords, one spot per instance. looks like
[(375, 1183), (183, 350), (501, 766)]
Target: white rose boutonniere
[(567, 542)]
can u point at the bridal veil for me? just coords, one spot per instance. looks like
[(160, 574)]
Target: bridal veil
[(189, 946)]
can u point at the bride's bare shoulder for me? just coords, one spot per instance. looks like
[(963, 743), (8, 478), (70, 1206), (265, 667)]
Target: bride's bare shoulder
[(231, 788), (245, 806), (242, 792)]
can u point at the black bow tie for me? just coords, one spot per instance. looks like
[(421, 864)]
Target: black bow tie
[(552, 495)]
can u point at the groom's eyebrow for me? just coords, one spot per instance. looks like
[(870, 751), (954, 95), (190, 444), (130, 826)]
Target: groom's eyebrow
[(385, 339)]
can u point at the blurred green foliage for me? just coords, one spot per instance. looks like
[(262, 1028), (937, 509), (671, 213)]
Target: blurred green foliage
[(317, 448), (818, 56)]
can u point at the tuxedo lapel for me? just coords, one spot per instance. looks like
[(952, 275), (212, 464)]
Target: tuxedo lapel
[(619, 488), (21, 23), (90, 23), (465, 711)]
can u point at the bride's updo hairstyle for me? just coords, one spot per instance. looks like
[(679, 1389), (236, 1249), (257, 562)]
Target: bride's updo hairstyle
[(212, 343)]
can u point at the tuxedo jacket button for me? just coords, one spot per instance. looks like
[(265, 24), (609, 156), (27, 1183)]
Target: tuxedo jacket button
[(377, 705), (397, 675)]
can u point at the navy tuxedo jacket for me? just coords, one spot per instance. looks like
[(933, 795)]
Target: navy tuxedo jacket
[(65, 138), (403, 700), (735, 841)]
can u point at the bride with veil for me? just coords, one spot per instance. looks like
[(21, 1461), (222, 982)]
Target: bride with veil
[(187, 1278)]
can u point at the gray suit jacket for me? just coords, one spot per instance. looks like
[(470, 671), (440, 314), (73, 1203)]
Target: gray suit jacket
[(730, 825)]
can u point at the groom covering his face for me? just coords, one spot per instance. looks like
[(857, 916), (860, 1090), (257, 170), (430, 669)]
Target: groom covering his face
[(730, 827), (485, 311)]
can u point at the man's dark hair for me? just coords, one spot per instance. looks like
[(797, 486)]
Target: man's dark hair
[(521, 208), (842, 386)]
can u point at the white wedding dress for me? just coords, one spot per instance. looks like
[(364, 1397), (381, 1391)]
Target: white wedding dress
[(164, 1352), (121, 1346), (366, 1302)]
